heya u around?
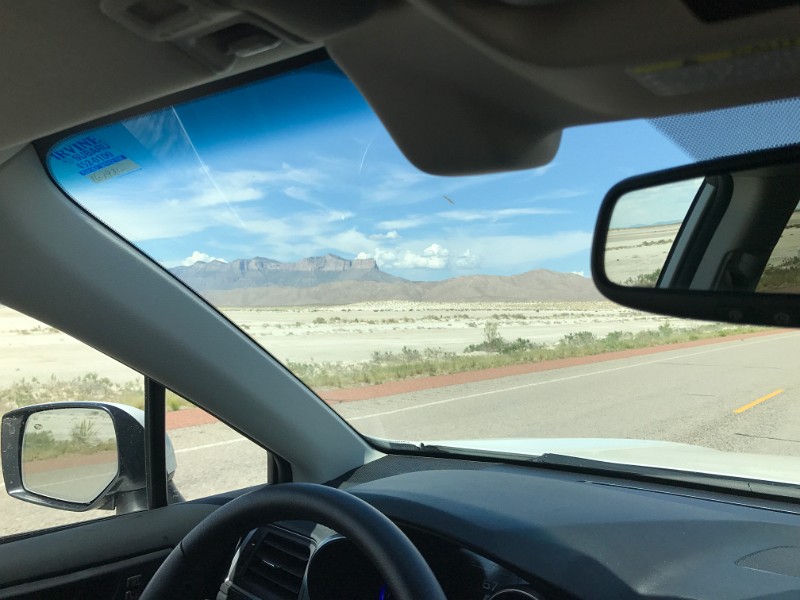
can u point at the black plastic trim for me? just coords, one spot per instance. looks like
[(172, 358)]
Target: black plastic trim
[(155, 452), (49, 587)]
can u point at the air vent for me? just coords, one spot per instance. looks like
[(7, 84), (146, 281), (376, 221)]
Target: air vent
[(275, 565)]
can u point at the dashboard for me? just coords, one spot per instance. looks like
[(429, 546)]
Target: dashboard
[(333, 568), (504, 532)]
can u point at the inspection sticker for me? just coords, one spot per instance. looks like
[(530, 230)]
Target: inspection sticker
[(94, 159)]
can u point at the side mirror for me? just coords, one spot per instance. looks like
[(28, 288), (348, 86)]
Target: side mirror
[(77, 456), (717, 240)]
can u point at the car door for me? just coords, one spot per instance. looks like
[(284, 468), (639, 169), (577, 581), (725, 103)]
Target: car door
[(110, 552)]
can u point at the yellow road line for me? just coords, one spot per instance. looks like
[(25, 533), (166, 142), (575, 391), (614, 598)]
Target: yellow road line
[(741, 409)]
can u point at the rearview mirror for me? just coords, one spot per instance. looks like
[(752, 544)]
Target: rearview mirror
[(718, 240)]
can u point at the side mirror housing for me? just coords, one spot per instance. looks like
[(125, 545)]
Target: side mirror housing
[(77, 456)]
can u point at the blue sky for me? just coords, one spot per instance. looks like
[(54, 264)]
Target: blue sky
[(299, 166)]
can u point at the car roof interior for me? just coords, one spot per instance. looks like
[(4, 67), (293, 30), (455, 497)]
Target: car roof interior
[(519, 71)]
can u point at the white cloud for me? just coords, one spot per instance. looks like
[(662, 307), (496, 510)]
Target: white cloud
[(193, 200), (223, 187), (215, 196), (297, 193), (539, 171), (389, 235), (434, 256), (490, 254), (435, 250), (466, 260), (581, 273), (199, 257), (468, 216), (431, 258), (249, 208), (347, 242), (408, 223), (395, 184), (561, 194)]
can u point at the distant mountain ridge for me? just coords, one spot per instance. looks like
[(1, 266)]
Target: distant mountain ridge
[(333, 280), (264, 272)]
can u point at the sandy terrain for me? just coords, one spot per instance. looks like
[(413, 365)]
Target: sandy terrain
[(638, 250), (29, 348), (788, 245), (314, 334)]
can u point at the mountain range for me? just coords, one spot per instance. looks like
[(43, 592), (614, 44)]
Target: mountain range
[(333, 280)]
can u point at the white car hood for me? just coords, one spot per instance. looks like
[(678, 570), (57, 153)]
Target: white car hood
[(646, 453)]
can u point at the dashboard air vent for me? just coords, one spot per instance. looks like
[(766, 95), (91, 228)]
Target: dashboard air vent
[(275, 564)]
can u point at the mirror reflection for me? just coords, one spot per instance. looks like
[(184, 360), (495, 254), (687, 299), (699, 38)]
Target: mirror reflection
[(732, 232), (643, 229), (69, 453)]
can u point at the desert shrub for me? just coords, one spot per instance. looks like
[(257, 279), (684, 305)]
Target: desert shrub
[(495, 343), (784, 276), (89, 387), (644, 279)]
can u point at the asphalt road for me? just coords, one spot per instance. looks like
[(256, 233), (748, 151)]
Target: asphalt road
[(740, 395), (689, 395)]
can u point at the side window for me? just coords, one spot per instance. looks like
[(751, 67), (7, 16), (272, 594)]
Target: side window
[(40, 364), (71, 454), (210, 457)]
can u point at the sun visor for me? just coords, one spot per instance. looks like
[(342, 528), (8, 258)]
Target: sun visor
[(456, 115)]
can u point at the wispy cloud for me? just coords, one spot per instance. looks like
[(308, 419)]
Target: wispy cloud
[(467, 216), (189, 204), (561, 194), (406, 223), (297, 192), (543, 170), (308, 204), (497, 215), (389, 235)]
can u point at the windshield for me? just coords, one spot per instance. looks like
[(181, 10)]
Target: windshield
[(451, 310)]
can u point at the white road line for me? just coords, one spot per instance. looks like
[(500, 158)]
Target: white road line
[(568, 378), (214, 445)]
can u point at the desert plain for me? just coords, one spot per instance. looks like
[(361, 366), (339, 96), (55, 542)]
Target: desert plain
[(314, 334)]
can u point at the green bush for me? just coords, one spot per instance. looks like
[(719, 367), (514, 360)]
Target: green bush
[(89, 387), (644, 279), (493, 352), (784, 276)]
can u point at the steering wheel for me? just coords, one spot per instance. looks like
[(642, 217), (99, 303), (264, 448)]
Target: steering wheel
[(196, 567)]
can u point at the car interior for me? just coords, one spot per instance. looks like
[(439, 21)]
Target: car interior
[(463, 88)]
